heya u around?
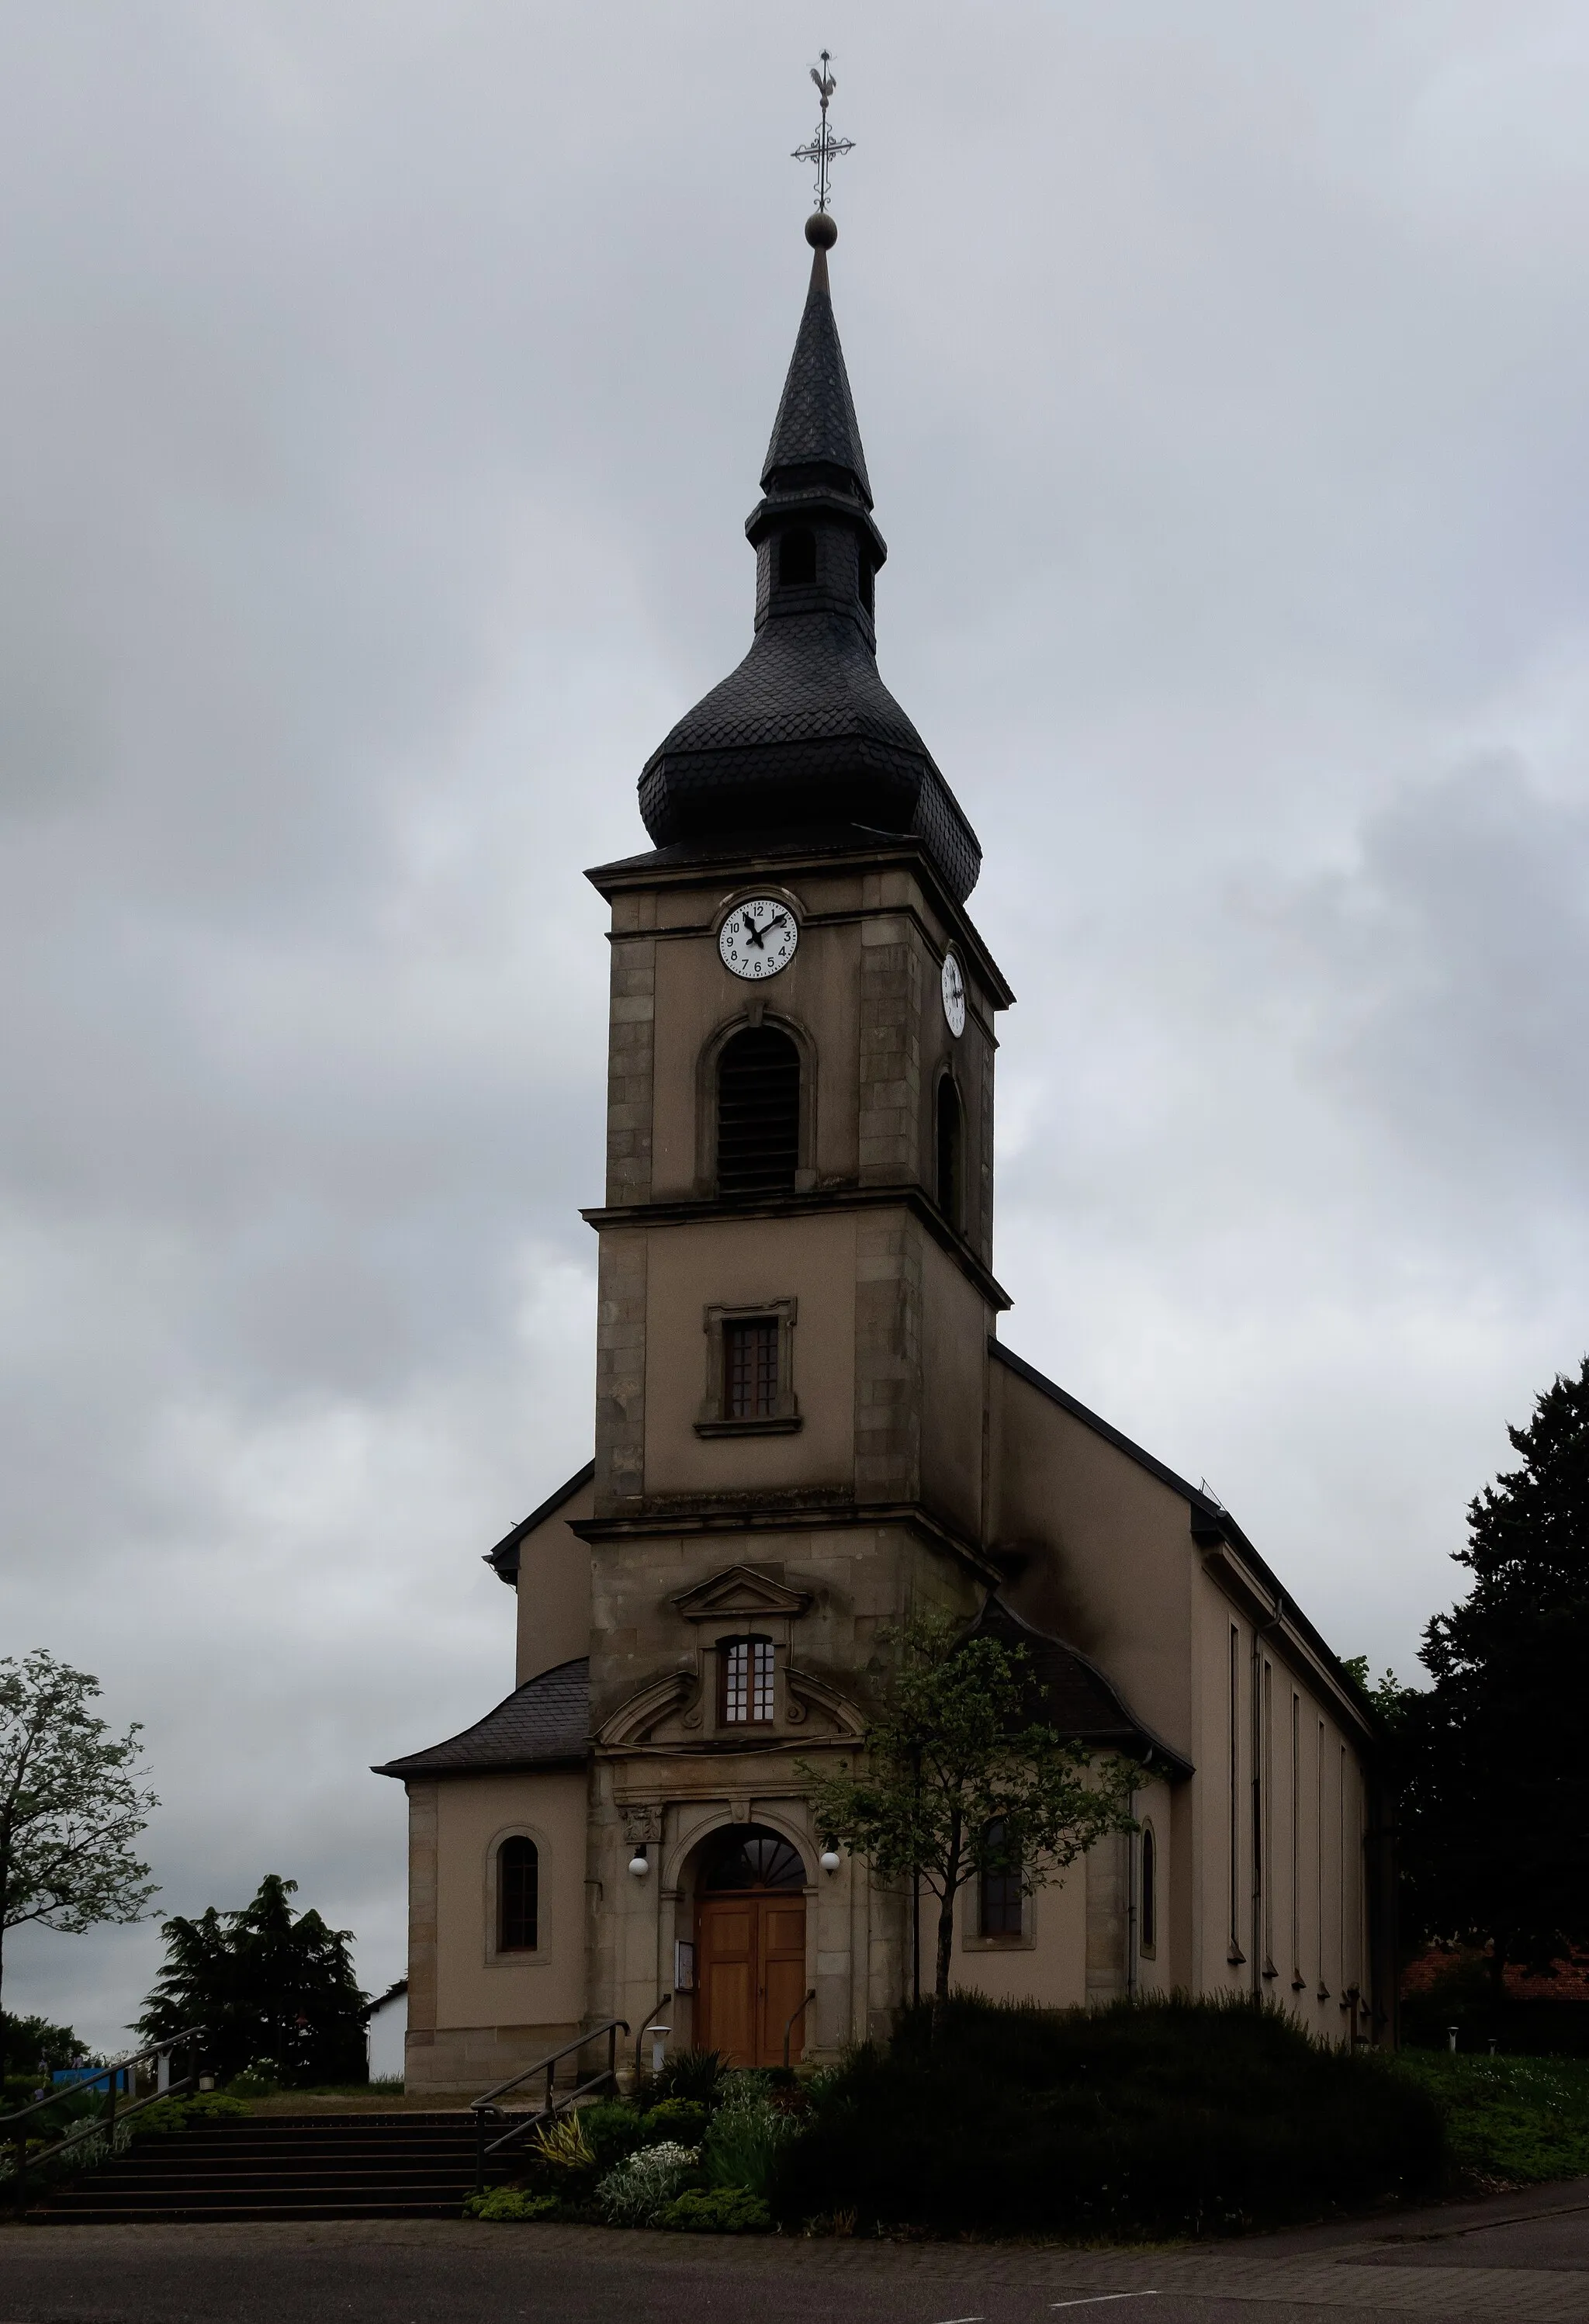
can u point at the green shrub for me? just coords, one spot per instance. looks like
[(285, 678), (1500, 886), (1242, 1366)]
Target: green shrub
[(612, 2129), (644, 2184), (687, 2074), (1519, 2118), (511, 2203), (1161, 2118), (716, 2211), (684, 2119), (746, 2135)]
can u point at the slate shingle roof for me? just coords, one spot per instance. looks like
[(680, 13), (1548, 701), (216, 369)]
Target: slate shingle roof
[(544, 1723), (804, 733), (816, 421), (1071, 1693)]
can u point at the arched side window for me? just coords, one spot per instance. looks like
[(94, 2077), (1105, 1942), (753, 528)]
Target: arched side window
[(950, 1145), (758, 1112), (1000, 1905), (747, 1681), (1148, 1914), (518, 1895), (797, 558), (868, 584)]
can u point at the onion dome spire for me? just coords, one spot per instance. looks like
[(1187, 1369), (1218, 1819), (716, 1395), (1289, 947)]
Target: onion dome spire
[(804, 738)]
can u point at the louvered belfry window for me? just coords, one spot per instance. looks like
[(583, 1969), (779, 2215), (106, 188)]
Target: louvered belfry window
[(758, 1112)]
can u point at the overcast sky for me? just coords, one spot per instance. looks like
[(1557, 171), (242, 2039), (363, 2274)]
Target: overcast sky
[(387, 382)]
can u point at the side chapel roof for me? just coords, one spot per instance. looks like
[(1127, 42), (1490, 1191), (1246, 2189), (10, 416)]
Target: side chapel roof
[(1071, 1693), (544, 1723)]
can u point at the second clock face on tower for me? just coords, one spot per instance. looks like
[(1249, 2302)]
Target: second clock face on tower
[(758, 937), (954, 993)]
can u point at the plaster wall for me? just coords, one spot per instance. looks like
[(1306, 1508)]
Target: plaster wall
[(480, 2013), (747, 1262), (1109, 1554), (956, 1320), (554, 1591), (1281, 1806)]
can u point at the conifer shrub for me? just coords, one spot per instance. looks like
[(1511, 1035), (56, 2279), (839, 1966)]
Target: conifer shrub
[(1174, 2116)]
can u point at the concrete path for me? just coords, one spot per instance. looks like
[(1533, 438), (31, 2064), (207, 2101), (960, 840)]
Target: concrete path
[(1523, 2257)]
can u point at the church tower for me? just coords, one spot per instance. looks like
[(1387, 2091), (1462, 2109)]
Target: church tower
[(807, 1429), (795, 1290)]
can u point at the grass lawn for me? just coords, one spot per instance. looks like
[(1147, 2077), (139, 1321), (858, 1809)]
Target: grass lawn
[(1510, 2120)]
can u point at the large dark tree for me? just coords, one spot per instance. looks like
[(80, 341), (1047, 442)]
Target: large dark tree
[(272, 1988), (1495, 1755)]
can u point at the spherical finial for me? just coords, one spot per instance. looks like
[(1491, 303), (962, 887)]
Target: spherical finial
[(821, 232)]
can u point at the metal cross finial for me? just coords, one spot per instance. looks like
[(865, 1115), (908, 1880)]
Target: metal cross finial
[(825, 147)]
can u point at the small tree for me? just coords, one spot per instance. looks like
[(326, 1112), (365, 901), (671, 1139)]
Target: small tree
[(960, 1780), (272, 1988), (69, 1803)]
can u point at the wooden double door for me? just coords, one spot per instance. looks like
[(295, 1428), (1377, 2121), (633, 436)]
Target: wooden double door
[(750, 1975)]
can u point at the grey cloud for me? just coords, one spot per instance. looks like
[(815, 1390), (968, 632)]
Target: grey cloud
[(386, 390)]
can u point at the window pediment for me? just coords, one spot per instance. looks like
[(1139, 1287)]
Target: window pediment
[(738, 1594)]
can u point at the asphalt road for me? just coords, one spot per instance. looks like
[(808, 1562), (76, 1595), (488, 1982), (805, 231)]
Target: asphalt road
[(1519, 2257)]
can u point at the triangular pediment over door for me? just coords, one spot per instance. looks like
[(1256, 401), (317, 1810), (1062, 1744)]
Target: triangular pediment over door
[(740, 1593)]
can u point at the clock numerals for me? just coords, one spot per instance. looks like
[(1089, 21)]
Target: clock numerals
[(953, 988), (758, 938)]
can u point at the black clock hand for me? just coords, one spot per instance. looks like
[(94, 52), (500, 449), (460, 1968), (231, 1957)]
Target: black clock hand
[(755, 934)]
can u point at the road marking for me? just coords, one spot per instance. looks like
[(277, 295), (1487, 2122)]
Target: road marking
[(966, 2319), (1093, 2298)]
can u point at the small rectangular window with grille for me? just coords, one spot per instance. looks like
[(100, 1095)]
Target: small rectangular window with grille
[(749, 1368), (746, 1667)]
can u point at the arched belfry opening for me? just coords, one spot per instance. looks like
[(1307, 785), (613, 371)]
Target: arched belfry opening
[(750, 1945), (949, 1154), (797, 558), (758, 1112)]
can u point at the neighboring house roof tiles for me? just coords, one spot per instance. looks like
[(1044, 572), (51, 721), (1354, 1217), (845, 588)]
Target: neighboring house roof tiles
[(544, 1723)]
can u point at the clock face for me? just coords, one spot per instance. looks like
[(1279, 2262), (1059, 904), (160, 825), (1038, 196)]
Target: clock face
[(954, 993), (758, 937)]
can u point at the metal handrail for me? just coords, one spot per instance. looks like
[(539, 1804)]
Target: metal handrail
[(660, 2002), (788, 2029), (486, 2105), (101, 2125)]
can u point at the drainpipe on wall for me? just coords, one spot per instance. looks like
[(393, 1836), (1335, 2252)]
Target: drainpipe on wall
[(1129, 1838)]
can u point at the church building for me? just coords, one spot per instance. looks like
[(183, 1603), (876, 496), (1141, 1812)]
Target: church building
[(807, 1426)]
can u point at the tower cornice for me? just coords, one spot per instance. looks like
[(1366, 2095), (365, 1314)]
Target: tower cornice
[(693, 864), (704, 1209)]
